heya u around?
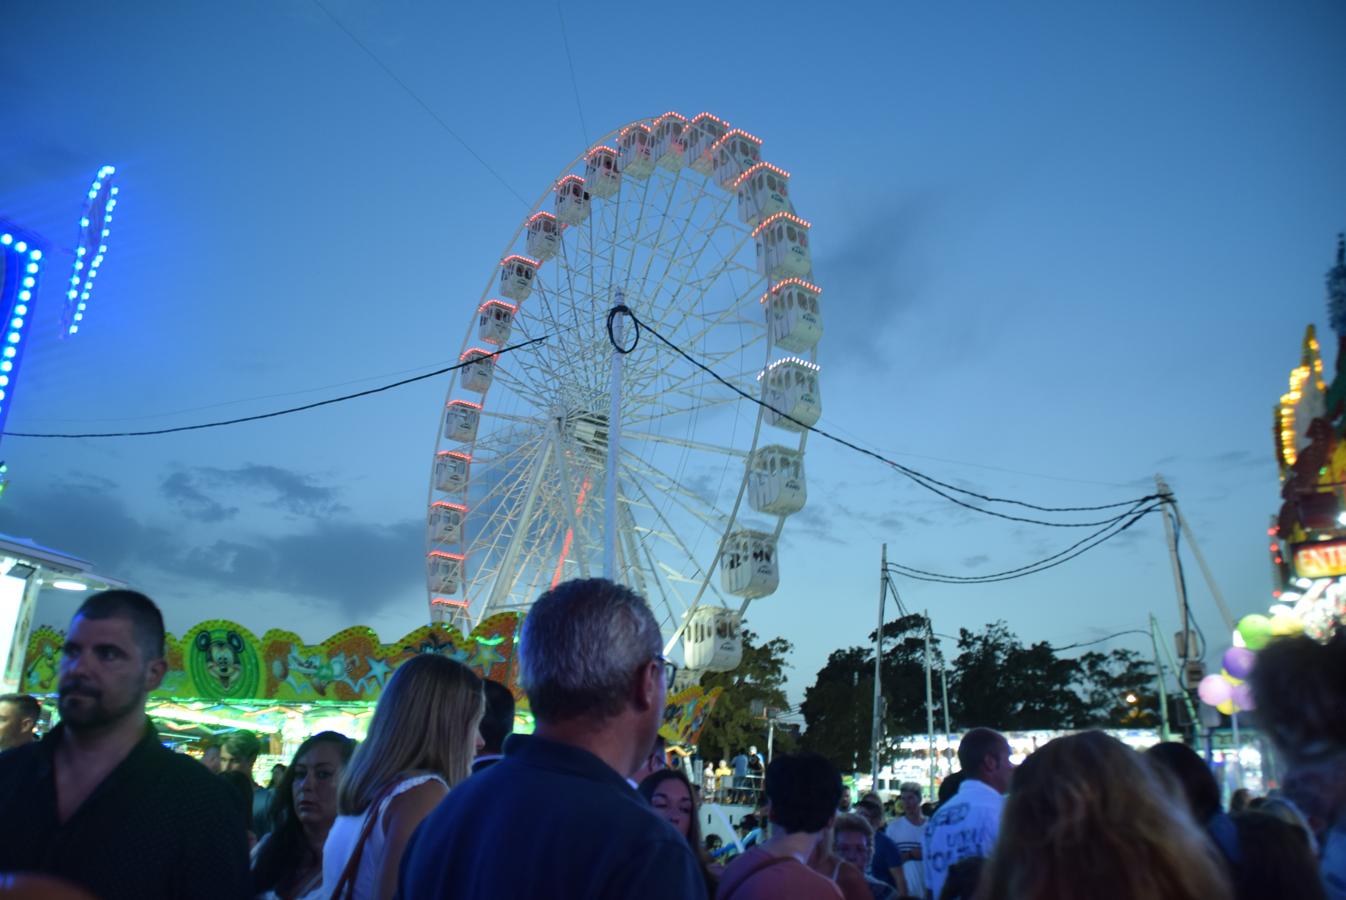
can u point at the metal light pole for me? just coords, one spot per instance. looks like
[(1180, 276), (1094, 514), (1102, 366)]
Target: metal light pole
[(614, 447), (929, 705), (1164, 733), (877, 723)]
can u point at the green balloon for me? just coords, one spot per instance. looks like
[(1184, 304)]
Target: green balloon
[(1255, 631)]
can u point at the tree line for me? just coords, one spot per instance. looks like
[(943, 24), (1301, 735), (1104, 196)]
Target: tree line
[(995, 680)]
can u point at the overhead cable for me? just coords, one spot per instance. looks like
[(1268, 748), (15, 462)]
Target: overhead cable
[(280, 412)]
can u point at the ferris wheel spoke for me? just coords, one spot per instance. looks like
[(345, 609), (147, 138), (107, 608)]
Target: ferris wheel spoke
[(691, 502), (673, 441), (668, 413)]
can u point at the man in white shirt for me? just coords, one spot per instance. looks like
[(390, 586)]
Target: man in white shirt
[(908, 832), (967, 825)]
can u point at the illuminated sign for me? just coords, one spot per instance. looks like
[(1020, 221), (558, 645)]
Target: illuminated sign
[(1323, 559)]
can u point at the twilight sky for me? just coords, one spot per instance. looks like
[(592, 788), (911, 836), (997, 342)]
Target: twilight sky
[(1062, 249)]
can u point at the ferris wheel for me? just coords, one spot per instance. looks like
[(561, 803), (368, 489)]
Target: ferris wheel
[(567, 459)]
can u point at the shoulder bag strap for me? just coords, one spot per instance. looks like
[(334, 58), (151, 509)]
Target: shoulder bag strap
[(345, 886)]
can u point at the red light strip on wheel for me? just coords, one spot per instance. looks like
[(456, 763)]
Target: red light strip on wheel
[(736, 132), (445, 601), (523, 259), (544, 214), (570, 535), (601, 148), (761, 165), (799, 282), (789, 217), (500, 303)]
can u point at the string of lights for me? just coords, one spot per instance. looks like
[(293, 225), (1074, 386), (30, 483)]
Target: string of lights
[(931, 484), (281, 412)]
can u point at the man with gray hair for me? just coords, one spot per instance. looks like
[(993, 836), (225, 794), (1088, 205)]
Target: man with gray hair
[(596, 679)]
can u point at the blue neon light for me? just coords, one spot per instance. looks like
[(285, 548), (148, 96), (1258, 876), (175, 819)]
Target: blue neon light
[(20, 267), (94, 231)]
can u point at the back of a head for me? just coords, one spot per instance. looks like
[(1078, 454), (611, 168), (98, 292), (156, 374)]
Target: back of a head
[(1300, 688), (975, 746), (497, 721), (852, 822), (425, 721), (582, 644), (803, 790), (1198, 784), (1087, 817), (242, 745), (949, 786), (147, 622), (26, 705), (1277, 859)]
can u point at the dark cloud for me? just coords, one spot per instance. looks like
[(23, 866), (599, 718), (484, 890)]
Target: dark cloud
[(193, 502), (352, 568), (284, 489)]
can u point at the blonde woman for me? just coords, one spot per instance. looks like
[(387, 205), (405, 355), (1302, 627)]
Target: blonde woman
[(1087, 817), (420, 744)]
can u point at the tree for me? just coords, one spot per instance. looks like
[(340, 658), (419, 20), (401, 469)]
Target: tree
[(838, 707), (1108, 683), (1000, 683), (738, 719)]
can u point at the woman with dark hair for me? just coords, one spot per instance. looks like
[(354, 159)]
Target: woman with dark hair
[(287, 864), (1278, 860), (1202, 793), (670, 794)]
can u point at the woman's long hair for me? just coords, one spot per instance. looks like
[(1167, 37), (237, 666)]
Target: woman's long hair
[(647, 789), (1087, 817), (426, 721), (285, 851)]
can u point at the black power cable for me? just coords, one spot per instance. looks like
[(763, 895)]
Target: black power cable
[(281, 412), (931, 484)]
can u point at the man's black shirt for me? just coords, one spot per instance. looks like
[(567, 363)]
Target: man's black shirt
[(158, 826)]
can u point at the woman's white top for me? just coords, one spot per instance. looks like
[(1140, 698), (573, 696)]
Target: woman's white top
[(345, 833)]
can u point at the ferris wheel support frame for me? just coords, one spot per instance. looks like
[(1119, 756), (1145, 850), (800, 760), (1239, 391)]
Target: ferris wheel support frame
[(614, 439), (504, 580)]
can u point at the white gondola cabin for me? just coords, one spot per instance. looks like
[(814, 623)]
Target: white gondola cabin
[(445, 572), (762, 192), (446, 522), (516, 276), (495, 320), (572, 200), (783, 247), (713, 640), (793, 314), (668, 144), (698, 137), (478, 370), (602, 174), (637, 150), (748, 566), (461, 418), (776, 480), (792, 388), (544, 236), (451, 471), (734, 154), (446, 609)]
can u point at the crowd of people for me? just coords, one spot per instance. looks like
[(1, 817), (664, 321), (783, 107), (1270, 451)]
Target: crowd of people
[(441, 800)]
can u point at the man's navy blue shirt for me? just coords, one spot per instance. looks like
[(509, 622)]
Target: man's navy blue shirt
[(549, 820)]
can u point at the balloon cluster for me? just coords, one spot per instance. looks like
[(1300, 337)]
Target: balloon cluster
[(1229, 692)]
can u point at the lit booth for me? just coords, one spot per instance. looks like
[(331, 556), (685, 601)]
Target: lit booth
[(26, 568)]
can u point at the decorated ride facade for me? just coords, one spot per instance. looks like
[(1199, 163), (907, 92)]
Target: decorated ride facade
[(221, 676)]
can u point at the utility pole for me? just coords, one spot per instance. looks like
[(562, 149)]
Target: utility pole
[(877, 724), (1185, 635), (944, 691), (929, 706), (1164, 733)]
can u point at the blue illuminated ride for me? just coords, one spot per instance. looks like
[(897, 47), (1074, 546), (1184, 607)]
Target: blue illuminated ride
[(95, 226), (20, 269)]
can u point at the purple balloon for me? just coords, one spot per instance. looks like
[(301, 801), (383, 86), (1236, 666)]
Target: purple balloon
[(1214, 690), (1242, 695), (1238, 661)]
